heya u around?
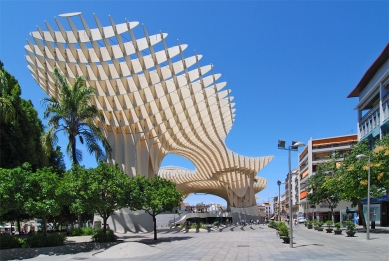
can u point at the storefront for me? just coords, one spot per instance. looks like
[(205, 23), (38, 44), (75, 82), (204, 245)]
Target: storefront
[(378, 210)]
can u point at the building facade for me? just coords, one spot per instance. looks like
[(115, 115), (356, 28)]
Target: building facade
[(316, 152), (372, 109), (373, 105)]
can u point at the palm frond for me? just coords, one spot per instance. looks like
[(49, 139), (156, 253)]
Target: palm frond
[(7, 110), (49, 140), (73, 112)]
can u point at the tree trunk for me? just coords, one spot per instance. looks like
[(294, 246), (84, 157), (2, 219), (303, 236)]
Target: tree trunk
[(104, 224), (79, 220), (361, 215), (333, 216), (44, 225), (18, 220), (155, 227)]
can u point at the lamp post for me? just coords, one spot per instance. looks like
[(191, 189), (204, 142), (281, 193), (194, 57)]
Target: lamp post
[(279, 199), (244, 219), (363, 156), (294, 147)]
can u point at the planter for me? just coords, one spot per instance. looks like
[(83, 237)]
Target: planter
[(320, 228), (338, 232), (329, 230), (315, 228), (309, 226), (281, 235), (286, 239), (350, 233)]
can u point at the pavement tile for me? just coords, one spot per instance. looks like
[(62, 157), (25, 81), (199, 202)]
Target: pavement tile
[(263, 244)]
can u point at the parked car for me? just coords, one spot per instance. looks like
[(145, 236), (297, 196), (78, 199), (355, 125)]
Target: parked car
[(301, 219)]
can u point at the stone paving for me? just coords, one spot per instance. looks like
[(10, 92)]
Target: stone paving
[(237, 243)]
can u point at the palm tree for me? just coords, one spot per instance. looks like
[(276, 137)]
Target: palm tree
[(7, 110), (73, 113)]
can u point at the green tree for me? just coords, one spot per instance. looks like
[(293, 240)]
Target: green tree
[(352, 177), (154, 196), (41, 195), (21, 129), (100, 190), (7, 111), (380, 164), (73, 113), (324, 186), (13, 188)]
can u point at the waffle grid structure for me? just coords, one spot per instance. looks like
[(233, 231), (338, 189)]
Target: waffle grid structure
[(155, 101)]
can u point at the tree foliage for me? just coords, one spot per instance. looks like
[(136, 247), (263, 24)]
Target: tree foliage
[(73, 113), (100, 190), (381, 164), (21, 128), (324, 185), (154, 196), (42, 199), (25, 193), (353, 174), (13, 192)]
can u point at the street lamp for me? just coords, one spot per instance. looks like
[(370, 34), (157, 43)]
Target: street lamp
[(279, 199), (294, 147), (363, 156), (244, 219)]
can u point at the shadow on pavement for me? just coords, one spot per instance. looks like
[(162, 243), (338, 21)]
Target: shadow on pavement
[(373, 231), (306, 245), (24, 253), (150, 241), (121, 237)]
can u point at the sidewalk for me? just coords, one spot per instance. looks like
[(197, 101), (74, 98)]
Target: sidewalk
[(233, 243)]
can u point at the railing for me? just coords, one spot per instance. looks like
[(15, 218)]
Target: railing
[(199, 215), (385, 98), (385, 106), (370, 121), (369, 113), (334, 145)]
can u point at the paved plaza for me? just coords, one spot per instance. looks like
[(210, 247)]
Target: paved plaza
[(233, 243)]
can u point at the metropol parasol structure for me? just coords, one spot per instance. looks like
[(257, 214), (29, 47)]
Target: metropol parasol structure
[(155, 101)]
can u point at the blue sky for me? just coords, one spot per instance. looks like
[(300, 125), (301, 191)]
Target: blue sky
[(290, 64)]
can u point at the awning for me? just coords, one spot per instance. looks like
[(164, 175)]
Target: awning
[(385, 125), (375, 200), (303, 194)]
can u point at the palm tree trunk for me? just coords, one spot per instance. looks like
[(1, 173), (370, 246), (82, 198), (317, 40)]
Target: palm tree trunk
[(74, 155)]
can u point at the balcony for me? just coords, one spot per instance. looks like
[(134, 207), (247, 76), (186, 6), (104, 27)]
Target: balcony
[(385, 107), (369, 121)]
